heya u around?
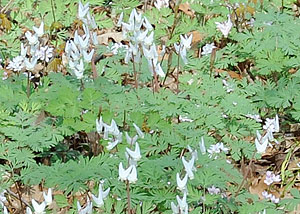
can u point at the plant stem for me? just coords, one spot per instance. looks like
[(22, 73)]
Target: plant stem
[(155, 84), (52, 9), (250, 163), (28, 84), (134, 73), (177, 74), (246, 175), (81, 85), (128, 197), (176, 19)]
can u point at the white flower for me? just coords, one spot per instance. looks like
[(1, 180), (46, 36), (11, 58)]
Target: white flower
[(82, 10), (207, 49), (138, 130), (181, 184), (270, 196), (161, 3), (131, 140), (79, 69), (194, 152), (5, 210), (271, 177), (83, 43), (186, 41), (189, 167), (94, 38), (202, 146), (17, 64), (44, 53), (30, 64), (32, 39), (38, 208), (147, 24), (215, 149), (261, 143), (23, 50), (274, 199), (101, 196), (99, 125), (175, 208), (255, 117), (225, 27), (141, 36), (123, 174), (213, 190), (48, 197), (185, 119), (91, 21), (132, 177), (28, 210), (112, 145), (119, 23), (87, 210), (136, 154), (182, 202), (2, 197), (272, 125), (39, 31), (88, 57), (266, 195)]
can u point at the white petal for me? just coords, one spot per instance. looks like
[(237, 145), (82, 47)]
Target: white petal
[(181, 184), (123, 174), (136, 154), (138, 130), (132, 177), (38, 208), (48, 197), (88, 57)]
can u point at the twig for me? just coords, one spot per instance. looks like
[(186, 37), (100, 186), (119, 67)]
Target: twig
[(3, 10)]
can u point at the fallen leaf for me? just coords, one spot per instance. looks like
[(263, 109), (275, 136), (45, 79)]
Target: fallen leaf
[(104, 38), (185, 7)]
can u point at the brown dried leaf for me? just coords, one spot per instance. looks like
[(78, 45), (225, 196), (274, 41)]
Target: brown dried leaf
[(54, 65), (185, 7), (5, 23), (104, 38)]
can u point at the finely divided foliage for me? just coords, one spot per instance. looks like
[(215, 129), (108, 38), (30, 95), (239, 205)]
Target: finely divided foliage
[(146, 108)]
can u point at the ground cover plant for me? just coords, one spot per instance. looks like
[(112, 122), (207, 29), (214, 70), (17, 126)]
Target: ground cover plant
[(148, 107)]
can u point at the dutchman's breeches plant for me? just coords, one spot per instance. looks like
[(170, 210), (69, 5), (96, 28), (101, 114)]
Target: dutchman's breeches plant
[(149, 107)]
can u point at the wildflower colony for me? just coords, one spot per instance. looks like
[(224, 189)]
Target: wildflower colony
[(146, 107)]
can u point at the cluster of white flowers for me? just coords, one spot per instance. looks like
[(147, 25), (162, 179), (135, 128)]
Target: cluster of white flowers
[(116, 48), (88, 208), (271, 177), (182, 205), (216, 149), (213, 190), (40, 208), (261, 142), (31, 52), (130, 174), (161, 4), (141, 35), (207, 49), (225, 27), (255, 117), (183, 46), (107, 130), (101, 196), (270, 196), (80, 49)]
